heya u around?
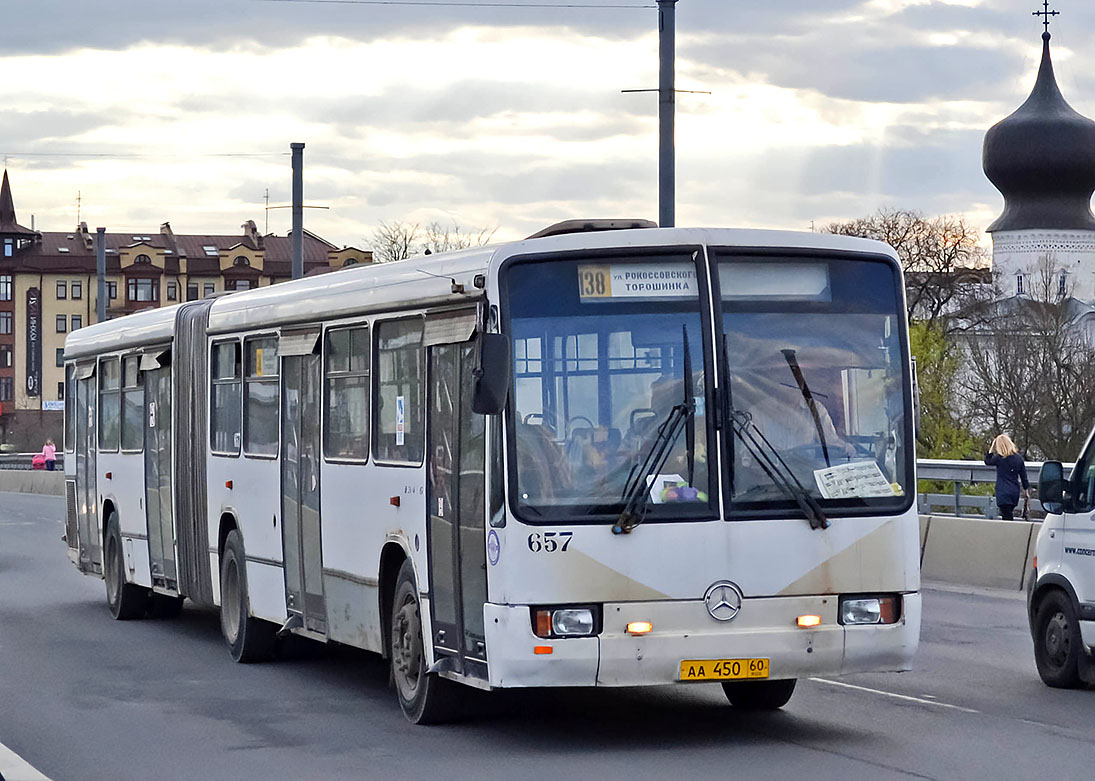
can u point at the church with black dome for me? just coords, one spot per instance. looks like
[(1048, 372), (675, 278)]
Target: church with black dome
[(1042, 159)]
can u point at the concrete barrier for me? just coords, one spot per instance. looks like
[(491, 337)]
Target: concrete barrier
[(975, 552), (24, 481)]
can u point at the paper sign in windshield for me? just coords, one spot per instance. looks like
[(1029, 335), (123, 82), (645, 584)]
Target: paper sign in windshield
[(861, 479), (643, 281)]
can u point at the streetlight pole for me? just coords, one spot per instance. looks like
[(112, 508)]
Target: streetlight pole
[(298, 210), (666, 99)]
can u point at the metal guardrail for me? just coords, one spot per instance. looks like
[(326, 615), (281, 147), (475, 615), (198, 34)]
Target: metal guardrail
[(23, 460), (957, 472), (966, 473)]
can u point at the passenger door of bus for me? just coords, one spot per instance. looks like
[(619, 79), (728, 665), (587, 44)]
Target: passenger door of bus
[(301, 396), (87, 504), (455, 508), (158, 472)]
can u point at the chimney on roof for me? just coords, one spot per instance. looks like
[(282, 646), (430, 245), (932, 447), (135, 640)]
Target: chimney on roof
[(251, 233), (169, 237), (85, 237)]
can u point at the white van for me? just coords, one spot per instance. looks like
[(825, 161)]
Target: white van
[(1061, 594)]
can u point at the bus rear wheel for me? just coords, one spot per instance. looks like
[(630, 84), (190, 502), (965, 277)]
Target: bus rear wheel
[(759, 695), (1057, 642), (125, 600), (425, 698), (249, 639)]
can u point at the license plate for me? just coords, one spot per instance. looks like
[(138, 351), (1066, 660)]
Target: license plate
[(723, 669)]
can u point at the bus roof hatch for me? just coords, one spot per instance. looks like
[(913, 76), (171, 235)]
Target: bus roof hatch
[(591, 226)]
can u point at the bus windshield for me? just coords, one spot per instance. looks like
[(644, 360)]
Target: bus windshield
[(600, 359), (817, 372)]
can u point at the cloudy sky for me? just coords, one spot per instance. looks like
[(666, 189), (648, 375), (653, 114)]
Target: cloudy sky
[(512, 118)]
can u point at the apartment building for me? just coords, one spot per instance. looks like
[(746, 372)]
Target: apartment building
[(48, 288)]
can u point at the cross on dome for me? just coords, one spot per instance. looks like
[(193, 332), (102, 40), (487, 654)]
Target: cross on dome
[(1045, 12)]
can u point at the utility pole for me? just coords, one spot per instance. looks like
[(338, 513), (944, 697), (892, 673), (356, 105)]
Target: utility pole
[(100, 273), (666, 99), (298, 210), (667, 92)]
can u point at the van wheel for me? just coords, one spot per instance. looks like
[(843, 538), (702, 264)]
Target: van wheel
[(1057, 643), (424, 698), (125, 600), (759, 695), (249, 639)]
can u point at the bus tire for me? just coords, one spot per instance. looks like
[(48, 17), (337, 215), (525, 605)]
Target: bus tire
[(1057, 642), (424, 698), (126, 601), (759, 695), (249, 639)]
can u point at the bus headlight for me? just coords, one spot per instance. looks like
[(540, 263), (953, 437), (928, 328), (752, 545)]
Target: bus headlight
[(880, 609), (572, 621), (564, 621)]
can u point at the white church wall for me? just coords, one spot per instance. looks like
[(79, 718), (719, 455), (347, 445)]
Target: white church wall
[(1018, 252)]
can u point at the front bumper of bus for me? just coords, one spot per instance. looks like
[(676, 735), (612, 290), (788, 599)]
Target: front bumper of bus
[(765, 628)]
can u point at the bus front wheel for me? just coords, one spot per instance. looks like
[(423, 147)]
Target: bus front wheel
[(125, 600), (425, 698), (759, 695), (249, 639)]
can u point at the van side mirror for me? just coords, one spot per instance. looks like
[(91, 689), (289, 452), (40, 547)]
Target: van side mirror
[(492, 378), (1051, 487)]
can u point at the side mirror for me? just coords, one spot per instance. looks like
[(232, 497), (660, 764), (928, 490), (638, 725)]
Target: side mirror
[(1051, 487), (492, 378)]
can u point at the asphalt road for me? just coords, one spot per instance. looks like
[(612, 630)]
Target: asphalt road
[(84, 697)]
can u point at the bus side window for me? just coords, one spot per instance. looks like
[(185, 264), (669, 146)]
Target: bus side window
[(225, 394), (399, 416), (70, 407), (261, 397), (110, 403), (346, 419), (132, 404)]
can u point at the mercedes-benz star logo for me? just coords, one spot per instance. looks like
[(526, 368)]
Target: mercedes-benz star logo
[(723, 600)]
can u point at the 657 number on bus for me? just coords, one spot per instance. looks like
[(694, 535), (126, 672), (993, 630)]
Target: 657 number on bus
[(549, 542)]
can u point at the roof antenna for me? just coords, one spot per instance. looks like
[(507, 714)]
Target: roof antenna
[(456, 286)]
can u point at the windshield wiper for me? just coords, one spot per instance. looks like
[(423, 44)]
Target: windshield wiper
[(796, 372), (773, 465), (636, 494), (767, 456)]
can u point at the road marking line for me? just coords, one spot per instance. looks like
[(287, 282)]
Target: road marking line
[(14, 768), (933, 703)]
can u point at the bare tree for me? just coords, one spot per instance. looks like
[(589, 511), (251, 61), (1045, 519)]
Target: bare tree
[(394, 241), (399, 240), (945, 266), (439, 238)]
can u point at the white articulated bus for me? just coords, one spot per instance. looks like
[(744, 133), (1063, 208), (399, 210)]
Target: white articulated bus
[(590, 458)]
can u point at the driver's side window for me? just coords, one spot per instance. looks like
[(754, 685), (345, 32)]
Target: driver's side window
[(1082, 482)]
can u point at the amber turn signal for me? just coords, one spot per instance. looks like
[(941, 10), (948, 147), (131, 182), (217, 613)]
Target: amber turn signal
[(541, 649), (639, 627), (543, 623), (808, 621)]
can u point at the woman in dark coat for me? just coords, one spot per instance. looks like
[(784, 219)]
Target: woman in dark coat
[(1011, 470)]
